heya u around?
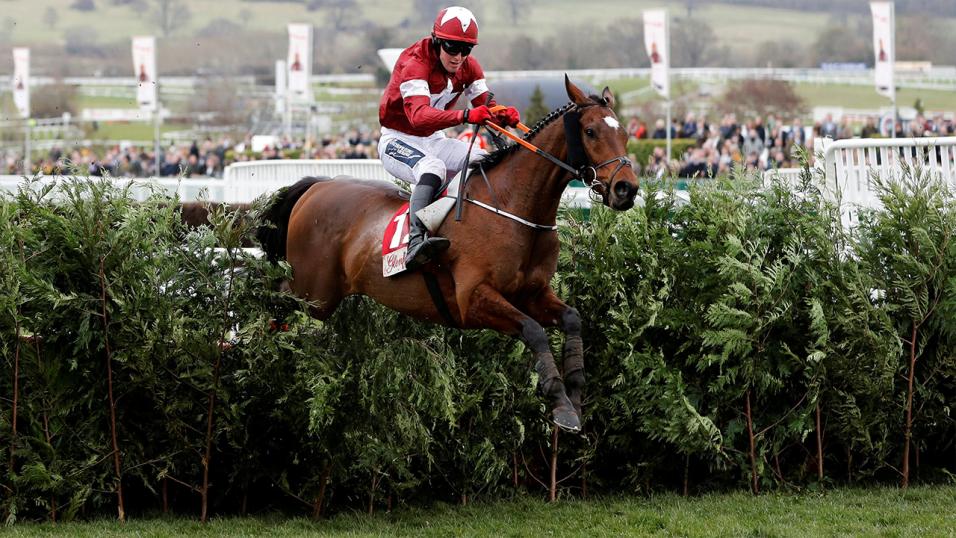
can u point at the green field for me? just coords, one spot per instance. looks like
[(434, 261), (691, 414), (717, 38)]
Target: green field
[(97, 101), (132, 131), (866, 97), (739, 27), (922, 511)]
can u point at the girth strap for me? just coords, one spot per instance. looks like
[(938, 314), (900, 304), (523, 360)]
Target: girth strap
[(434, 290)]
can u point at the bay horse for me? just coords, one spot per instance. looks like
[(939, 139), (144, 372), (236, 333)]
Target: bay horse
[(497, 272)]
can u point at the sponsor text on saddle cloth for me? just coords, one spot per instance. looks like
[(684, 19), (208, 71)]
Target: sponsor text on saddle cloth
[(395, 240)]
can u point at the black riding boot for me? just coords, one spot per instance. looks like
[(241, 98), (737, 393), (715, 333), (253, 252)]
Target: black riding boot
[(421, 248)]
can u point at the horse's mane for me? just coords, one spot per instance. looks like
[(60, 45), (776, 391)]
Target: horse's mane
[(494, 158)]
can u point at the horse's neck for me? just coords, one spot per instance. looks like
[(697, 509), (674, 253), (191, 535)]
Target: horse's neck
[(530, 185)]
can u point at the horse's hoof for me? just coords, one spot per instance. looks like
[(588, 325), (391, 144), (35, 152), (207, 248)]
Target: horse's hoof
[(566, 419)]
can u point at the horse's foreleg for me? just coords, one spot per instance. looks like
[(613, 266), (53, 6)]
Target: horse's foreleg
[(487, 308), (550, 311)]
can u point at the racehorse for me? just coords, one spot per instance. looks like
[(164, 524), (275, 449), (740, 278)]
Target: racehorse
[(497, 272)]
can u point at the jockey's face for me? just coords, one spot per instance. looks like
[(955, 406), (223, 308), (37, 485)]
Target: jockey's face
[(452, 61), (449, 62)]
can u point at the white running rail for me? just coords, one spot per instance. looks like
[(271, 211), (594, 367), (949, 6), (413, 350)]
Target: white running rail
[(243, 182), (850, 166)]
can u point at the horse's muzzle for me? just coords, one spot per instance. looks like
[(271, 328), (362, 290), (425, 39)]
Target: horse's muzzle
[(622, 195)]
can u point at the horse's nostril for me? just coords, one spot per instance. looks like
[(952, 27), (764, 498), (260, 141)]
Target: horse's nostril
[(622, 189)]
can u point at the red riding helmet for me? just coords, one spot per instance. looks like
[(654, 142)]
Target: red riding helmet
[(456, 24)]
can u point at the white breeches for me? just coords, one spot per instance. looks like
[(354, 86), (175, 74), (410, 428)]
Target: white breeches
[(407, 157)]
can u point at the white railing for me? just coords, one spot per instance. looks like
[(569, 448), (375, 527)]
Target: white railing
[(189, 190), (850, 166), (245, 181), (943, 78), (790, 176), (279, 170)]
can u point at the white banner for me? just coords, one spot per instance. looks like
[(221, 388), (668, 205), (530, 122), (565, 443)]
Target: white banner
[(21, 81), (657, 44), (884, 48), (300, 61), (144, 68)]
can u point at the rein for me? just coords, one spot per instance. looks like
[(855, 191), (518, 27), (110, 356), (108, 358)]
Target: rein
[(572, 127), (503, 213)]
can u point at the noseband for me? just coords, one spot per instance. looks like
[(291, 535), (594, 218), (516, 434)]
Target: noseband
[(594, 182)]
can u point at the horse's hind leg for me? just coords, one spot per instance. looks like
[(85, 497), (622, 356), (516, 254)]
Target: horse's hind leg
[(550, 311), (487, 308)]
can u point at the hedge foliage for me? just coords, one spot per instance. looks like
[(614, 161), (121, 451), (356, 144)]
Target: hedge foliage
[(744, 340)]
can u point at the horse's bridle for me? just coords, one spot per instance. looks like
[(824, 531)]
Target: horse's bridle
[(576, 154), (579, 167), (594, 183)]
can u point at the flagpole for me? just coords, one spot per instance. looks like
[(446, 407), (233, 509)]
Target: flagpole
[(667, 127), (27, 168), (157, 145), (893, 63), (287, 120), (893, 101), (667, 47)]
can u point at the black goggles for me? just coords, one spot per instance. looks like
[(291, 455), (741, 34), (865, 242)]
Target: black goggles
[(455, 48)]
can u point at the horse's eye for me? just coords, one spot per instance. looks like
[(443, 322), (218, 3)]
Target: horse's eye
[(589, 132)]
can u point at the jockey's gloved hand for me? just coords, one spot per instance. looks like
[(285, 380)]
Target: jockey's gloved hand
[(508, 116), (478, 115)]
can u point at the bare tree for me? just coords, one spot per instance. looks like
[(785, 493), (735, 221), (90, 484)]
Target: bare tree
[(52, 100), (425, 10), (83, 5), (340, 15), (689, 5), (518, 9), (761, 97), (51, 17), (693, 43), (245, 16), (843, 44), (169, 15), (783, 53)]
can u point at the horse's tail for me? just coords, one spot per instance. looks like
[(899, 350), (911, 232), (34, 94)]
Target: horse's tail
[(274, 230)]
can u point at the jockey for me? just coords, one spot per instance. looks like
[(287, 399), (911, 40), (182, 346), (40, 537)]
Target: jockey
[(426, 82)]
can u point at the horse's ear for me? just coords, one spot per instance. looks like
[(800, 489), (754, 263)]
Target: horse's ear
[(608, 96), (575, 93)]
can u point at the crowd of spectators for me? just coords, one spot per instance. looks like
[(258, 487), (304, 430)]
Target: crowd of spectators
[(206, 158), (720, 145), (762, 143)]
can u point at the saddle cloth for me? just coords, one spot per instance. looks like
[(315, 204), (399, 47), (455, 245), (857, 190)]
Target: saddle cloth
[(395, 238)]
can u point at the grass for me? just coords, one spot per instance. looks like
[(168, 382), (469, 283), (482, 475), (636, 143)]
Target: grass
[(920, 511), (835, 95), (866, 97), (132, 131), (99, 101)]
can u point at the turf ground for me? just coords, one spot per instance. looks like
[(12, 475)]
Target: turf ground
[(920, 511)]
